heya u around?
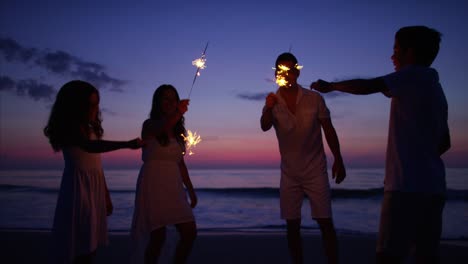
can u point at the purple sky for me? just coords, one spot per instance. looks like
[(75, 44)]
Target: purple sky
[(129, 49)]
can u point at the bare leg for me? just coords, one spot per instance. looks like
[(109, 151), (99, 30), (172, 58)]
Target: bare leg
[(85, 259), (153, 250), (295, 240), (429, 229), (188, 233), (329, 240)]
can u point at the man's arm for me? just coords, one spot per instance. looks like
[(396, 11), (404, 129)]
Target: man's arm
[(338, 169), (355, 86), (266, 121)]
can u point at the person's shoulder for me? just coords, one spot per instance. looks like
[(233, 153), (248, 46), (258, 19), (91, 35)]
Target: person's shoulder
[(418, 70), (311, 93), (415, 73), (150, 123)]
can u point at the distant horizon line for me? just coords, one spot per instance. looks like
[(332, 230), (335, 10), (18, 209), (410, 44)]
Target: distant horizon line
[(206, 168)]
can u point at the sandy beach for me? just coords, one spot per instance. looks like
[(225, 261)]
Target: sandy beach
[(28, 246)]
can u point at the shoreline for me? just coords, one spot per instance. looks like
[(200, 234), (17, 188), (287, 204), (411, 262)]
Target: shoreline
[(220, 246), (241, 231)]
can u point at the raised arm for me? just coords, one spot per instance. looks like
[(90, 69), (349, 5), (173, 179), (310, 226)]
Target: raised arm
[(338, 169), (355, 86), (266, 121)]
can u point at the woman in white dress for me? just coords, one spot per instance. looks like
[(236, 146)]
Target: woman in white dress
[(74, 127), (160, 196)]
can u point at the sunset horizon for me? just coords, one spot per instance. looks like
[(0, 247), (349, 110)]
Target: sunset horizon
[(127, 59)]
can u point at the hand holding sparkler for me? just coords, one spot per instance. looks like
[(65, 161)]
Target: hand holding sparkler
[(270, 100), (182, 107), (322, 86)]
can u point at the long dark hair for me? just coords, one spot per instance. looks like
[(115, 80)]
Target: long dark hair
[(69, 121), (156, 114)]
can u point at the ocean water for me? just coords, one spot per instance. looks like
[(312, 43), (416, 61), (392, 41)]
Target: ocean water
[(228, 199)]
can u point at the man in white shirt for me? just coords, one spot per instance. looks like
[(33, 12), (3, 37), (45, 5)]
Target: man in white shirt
[(298, 115), (414, 183)]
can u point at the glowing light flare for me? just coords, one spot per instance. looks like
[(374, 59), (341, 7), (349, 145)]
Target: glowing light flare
[(281, 81), (191, 140), (282, 72), (200, 62), (283, 68)]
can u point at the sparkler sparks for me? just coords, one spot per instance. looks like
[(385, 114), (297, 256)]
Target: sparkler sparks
[(191, 140), (282, 72), (200, 63)]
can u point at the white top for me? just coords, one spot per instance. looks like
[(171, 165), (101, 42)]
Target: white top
[(300, 136), (418, 122)]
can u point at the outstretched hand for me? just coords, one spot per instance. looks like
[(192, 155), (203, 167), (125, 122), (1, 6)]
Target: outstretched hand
[(321, 86), (338, 171), (136, 143)]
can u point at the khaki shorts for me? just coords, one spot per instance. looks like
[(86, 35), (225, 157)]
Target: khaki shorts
[(317, 190), (410, 219)]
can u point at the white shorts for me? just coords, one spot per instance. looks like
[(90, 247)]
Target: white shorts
[(315, 187)]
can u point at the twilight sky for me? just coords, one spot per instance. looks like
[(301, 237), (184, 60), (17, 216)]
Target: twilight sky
[(129, 49)]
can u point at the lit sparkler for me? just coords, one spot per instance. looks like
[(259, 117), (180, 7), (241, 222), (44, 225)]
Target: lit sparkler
[(191, 140), (282, 72), (200, 64)]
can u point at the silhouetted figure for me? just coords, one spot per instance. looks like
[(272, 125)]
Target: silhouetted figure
[(415, 186), (160, 196), (298, 115), (74, 127)]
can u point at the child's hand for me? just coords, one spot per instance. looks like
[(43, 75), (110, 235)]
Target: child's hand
[(183, 106), (193, 199), (270, 100), (136, 143), (109, 206), (338, 171), (321, 86)]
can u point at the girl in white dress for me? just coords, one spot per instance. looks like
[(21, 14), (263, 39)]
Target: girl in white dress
[(74, 127), (160, 196)]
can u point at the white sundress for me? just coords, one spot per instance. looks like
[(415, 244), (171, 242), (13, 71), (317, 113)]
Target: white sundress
[(80, 221), (160, 198)]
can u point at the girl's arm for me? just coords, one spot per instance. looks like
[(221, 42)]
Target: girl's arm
[(188, 183), (99, 146)]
